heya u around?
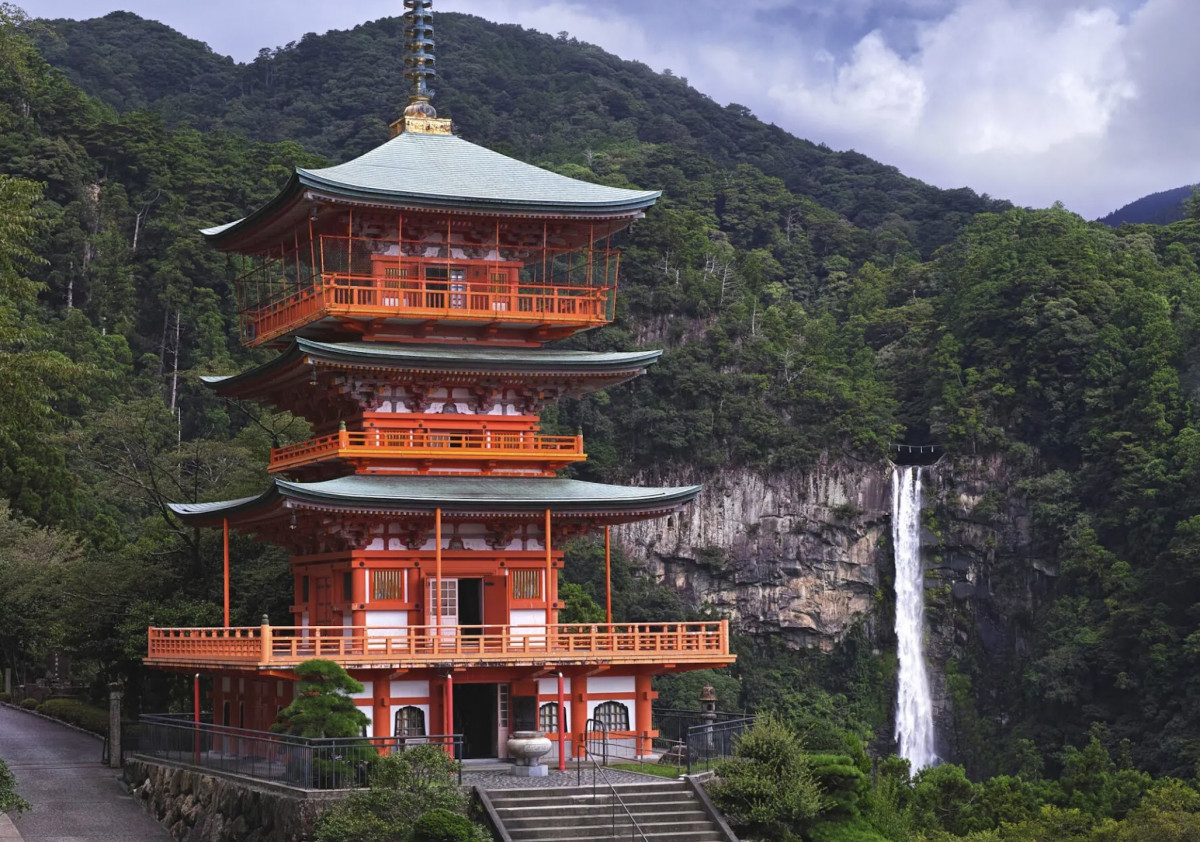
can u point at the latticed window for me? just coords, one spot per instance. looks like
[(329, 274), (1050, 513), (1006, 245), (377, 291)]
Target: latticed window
[(387, 584), (548, 718), (410, 722), (612, 715), (527, 584)]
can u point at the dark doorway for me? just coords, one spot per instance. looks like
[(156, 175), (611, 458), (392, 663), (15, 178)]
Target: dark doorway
[(470, 604), (475, 718)]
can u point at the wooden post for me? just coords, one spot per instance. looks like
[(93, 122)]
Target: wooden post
[(437, 568), (643, 718), (449, 708), (562, 725), (549, 573), (578, 715), (225, 528), (607, 576), (196, 719), (264, 638)]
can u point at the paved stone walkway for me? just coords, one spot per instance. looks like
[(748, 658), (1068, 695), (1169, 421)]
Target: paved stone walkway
[(74, 798)]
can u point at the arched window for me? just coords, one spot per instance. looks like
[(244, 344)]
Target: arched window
[(548, 718), (612, 715), (410, 722)]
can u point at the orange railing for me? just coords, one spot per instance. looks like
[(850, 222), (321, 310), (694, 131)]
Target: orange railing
[(427, 444), (368, 296), (617, 643)]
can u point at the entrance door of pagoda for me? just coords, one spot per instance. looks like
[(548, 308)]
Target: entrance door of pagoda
[(446, 609)]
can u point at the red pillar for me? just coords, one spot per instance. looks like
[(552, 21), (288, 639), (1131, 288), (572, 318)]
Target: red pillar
[(225, 525), (381, 693), (607, 576), (449, 709), (643, 719), (562, 726), (196, 718), (578, 715)]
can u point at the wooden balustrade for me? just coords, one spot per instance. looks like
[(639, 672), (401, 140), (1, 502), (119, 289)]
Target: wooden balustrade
[(423, 444), (415, 646), (373, 297)]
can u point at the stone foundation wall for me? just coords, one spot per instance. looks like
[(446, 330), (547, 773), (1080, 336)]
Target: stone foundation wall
[(199, 807)]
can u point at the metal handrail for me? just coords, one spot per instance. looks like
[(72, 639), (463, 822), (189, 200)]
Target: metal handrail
[(310, 763), (600, 771)]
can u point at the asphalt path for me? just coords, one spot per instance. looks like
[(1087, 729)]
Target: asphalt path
[(74, 798)]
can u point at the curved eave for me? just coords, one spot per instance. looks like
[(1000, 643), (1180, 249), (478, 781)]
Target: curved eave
[(446, 358), (625, 207), (453, 495)]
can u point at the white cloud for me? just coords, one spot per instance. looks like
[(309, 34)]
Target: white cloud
[(1089, 101)]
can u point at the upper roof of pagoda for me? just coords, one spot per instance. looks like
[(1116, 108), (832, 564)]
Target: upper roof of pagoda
[(432, 172)]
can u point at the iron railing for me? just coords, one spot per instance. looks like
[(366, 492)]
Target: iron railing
[(709, 742), (596, 736), (328, 763)]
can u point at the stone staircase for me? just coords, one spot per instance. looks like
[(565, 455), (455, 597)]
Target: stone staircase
[(665, 812)]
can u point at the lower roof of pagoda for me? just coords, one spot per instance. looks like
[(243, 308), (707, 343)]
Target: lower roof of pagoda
[(582, 371), (456, 497)]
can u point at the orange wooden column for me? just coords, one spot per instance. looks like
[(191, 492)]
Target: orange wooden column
[(578, 715), (381, 694), (436, 606), (358, 597), (225, 527), (549, 572), (607, 575), (643, 717)]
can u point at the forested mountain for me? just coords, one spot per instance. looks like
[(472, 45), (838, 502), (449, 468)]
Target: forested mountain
[(814, 306), (1156, 209)]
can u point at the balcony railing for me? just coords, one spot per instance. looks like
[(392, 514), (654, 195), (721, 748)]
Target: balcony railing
[(420, 444), (366, 297), (416, 646)]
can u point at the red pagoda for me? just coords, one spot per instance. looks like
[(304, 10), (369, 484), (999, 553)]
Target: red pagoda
[(410, 292)]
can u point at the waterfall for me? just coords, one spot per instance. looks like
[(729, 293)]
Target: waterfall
[(914, 707)]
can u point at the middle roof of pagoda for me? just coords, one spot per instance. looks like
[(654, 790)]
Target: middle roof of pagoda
[(437, 173), (589, 370)]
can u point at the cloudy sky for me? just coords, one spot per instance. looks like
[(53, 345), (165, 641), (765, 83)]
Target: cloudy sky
[(1091, 103)]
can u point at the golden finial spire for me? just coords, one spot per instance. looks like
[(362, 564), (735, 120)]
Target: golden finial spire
[(420, 117)]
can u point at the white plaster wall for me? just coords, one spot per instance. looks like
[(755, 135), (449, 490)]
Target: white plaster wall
[(610, 684), (549, 686), (527, 621), (410, 689), (366, 693), (385, 623)]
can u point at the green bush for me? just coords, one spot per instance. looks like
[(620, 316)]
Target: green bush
[(30, 704), (75, 712), (767, 789), (5, 698), (444, 826), (10, 802)]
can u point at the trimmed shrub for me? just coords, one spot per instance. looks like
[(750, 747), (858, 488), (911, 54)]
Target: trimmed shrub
[(444, 826), (10, 802), (75, 712), (5, 698), (30, 704)]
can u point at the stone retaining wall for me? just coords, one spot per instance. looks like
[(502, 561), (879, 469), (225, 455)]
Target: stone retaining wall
[(197, 806)]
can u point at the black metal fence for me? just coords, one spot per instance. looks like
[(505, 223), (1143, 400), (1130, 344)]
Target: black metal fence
[(329, 763), (712, 741), (673, 724)]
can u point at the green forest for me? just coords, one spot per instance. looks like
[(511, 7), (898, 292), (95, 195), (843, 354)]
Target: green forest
[(813, 305)]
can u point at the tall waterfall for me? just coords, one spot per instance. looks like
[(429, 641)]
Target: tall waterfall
[(914, 707)]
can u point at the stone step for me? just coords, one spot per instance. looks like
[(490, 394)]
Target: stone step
[(598, 815), (690, 831), (584, 795)]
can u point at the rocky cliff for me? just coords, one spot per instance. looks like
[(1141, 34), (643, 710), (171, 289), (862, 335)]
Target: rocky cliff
[(806, 555)]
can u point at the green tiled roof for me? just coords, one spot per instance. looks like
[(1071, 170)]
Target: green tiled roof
[(450, 358), (454, 495), (447, 172)]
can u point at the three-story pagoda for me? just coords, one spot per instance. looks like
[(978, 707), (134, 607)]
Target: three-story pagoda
[(410, 292)]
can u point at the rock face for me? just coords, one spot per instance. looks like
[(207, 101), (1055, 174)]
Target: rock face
[(196, 807), (797, 554), (805, 555)]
